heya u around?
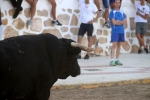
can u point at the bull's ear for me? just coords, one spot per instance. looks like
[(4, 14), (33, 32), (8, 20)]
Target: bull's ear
[(71, 50)]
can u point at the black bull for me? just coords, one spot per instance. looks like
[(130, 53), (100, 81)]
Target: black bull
[(31, 64)]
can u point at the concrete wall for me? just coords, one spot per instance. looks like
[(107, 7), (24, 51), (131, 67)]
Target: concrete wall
[(68, 15)]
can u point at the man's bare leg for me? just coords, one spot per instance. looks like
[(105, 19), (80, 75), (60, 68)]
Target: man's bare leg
[(97, 3), (55, 21), (53, 3), (33, 7), (141, 41), (118, 50)]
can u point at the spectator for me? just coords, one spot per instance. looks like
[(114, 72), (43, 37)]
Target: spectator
[(117, 20), (17, 4), (112, 4), (33, 10), (55, 21), (87, 10), (142, 13), (1, 27), (106, 4), (97, 3)]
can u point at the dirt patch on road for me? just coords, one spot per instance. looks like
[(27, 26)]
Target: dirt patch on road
[(124, 92)]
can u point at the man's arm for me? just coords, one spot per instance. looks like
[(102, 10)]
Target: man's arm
[(117, 22), (97, 16), (143, 16), (124, 22), (95, 19)]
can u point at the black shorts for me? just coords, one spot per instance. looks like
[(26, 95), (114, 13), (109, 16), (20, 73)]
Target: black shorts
[(85, 28)]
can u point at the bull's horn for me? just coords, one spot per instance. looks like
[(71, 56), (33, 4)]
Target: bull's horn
[(82, 47)]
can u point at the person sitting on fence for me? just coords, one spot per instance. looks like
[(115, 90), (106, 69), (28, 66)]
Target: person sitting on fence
[(17, 4), (54, 21), (33, 10)]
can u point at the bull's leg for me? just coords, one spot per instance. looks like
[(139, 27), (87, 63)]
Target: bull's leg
[(41, 91), (41, 95), (44, 93)]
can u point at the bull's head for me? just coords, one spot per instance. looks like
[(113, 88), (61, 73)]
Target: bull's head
[(71, 63)]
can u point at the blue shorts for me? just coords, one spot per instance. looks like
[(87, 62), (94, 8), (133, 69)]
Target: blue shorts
[(106, 4), (85, 28), (115, 37)]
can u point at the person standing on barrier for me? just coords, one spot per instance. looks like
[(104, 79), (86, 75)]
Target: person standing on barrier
[(17, 4), (97, 3), (117, 22)]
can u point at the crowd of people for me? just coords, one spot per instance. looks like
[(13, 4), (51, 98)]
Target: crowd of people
[(17, 5), (114, 19), (118, 20)]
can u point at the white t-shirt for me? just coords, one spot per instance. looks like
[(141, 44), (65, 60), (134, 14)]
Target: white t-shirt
[(143, 10), (86, 11)]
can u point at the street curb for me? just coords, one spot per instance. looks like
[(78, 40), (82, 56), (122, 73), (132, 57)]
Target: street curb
[(97, 85)]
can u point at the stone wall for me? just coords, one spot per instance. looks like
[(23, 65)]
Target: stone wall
[(68, 15)]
